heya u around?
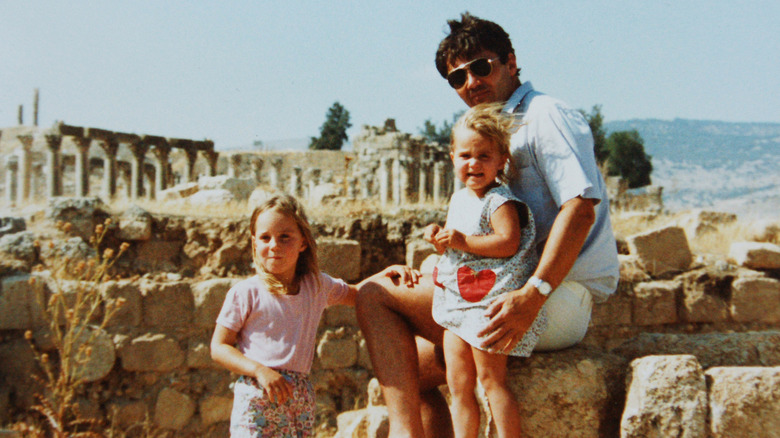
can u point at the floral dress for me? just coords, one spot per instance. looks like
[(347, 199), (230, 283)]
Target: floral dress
[(466, 284)]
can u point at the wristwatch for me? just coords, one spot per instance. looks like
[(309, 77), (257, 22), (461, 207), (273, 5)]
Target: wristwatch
[(542, 286)]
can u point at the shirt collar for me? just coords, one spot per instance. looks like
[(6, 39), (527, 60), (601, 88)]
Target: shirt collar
[(518, 96)]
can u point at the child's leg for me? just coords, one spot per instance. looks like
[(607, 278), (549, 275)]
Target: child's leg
[(461, 380), (491, 369)]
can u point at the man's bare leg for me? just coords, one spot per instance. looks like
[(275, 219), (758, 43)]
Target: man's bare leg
[(390, 314), (434, 410)]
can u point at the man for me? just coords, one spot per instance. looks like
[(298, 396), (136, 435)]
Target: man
[(557, 177)]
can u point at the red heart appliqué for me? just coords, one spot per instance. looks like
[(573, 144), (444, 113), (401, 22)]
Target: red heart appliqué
[(473, 286)]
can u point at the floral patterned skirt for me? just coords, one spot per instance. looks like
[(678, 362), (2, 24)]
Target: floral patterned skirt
[(254, 415)]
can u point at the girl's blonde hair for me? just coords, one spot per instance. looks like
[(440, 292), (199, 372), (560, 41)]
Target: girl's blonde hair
[(307, 260), (489, 121)]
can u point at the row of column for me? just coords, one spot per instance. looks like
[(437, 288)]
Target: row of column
[(19, 167)]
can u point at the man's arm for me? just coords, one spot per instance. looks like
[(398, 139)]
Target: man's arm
[(513, 313)]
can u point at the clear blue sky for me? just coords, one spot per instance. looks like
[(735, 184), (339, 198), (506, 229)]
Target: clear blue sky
[(240, 71)]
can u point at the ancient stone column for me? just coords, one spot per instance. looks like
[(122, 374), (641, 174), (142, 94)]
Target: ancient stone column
[(276, 170), (438, 174), (295, 181), (352, 187), (192, 156), (35, 108), (82, 165), (403, 178), (396, 181), (149, 174), (366, 179), (314, 181), (25, 169), (11, 186), (212, 157), (36, 175), (138, 149), (234, 165), (422, 188), (257, 168), (110, 147), (54, 174), (162, 153), (385, 173)]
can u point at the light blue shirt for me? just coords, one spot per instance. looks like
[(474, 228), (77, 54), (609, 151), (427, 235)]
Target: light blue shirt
[(553, 155)]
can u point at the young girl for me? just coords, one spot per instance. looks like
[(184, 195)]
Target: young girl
[(267, 326), (487, 246)]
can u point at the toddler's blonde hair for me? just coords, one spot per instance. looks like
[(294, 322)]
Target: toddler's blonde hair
[(489, 121)]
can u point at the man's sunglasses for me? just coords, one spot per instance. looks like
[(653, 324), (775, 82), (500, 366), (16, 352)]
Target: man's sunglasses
[(481, 67)]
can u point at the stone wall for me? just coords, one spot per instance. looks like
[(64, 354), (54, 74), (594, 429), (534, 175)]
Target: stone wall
[(723, 314)]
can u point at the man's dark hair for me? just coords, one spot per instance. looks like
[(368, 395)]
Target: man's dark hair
[(469, 36)]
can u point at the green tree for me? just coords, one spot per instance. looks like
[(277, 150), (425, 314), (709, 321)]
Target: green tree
[(627, 158), (441, 134), (333, 132), (596, 120)]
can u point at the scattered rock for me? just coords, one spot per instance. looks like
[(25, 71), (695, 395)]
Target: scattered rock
[(755, 255)]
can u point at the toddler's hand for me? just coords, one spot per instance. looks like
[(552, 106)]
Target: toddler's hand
[(279, 389), (429, 234), (449, 238)]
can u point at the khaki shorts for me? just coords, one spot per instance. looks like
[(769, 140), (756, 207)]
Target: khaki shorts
[(568, 312)]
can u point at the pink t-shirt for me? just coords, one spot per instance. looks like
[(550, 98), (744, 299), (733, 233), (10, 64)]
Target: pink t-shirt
[(279, 331)]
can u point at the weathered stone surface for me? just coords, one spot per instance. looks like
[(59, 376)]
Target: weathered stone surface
[(199, 356), (211, 198), (705, 296), (178, 192), (416, 251), (763, 230), (19, 246), (173, 409), (208, 297), (744, 401), (152, 352), (167, 304), (19, 306), (339, 258), (135, 223), (129, 413), (83, 213), (711, 349), (617, 310), (372, 422), (667, 396), (334, 352), (158, 255), (258, 196), (755, 255), (128, 314), (661, 251), (93, 355), (75, 249), (755, 299), (240, 188), (322, 193), (340, 316), (655, 302), (11, 225), (631, 270), (17, 364), (573, 392), (697, 223), (214, 409)]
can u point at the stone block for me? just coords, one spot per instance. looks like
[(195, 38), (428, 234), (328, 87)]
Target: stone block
[(167, 304), (573, 392), (127, 314), (711, 349), (92, 355), (667, 396), (416, 251), (173, 409), (705, 296), (662, 251), (17, 296), (334, 352), (178, 192), (135, 223), (211, 198), (129, 413), (214, 409), (17, 365), (617, 310), (199, 356), (208, 297), (152, 352), (340, 258), (371, 422), (655, 302), (700, 222), (755, 255), (340, 316), (763, 230), (744, 401), (755, 300), (240, 188), (158, 255), (83, 213)]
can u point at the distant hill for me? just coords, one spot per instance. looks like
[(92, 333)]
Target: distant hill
[(711, 164)]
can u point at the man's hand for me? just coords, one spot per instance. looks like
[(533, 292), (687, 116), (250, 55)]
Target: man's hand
[(511, 314)]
